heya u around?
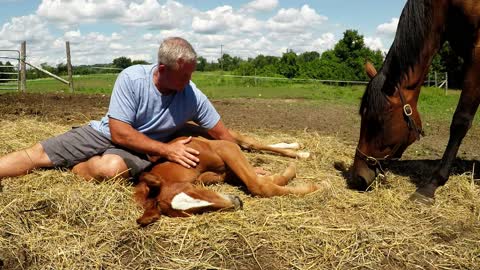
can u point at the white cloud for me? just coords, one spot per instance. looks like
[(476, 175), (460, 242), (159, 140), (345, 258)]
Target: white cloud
[(222, 19), (261, 5), (374, 43), (239, 31), (30, 28), (78, 11), (142, 13), (325, 42), (295, 20), (153, 15), (148, 37), (389, 28), (118, 46), (71, 35)]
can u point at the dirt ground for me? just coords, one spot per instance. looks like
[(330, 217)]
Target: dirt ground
[(293, 115)]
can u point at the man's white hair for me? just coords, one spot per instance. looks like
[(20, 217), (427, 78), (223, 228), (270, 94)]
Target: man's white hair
[(173, 49)]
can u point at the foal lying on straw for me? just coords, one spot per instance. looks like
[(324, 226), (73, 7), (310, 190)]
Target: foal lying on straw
[(168, 188)]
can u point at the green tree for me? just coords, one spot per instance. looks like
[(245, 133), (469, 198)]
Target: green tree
[(245, 68), (61, 69), (201, 63), (352, 52), (122, 62), (446, 60), (288, 65), (308, 57), (228, 62), (140, 62)]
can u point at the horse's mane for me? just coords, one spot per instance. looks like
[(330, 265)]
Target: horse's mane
[(413, 28)]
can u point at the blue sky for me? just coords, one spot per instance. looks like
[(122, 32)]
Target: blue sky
[(101, 30)]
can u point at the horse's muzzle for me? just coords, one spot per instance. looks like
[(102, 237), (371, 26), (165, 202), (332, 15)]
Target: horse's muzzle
[(362, 176)]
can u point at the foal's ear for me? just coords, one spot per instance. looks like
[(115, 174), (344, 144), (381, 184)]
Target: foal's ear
[(370, 69)]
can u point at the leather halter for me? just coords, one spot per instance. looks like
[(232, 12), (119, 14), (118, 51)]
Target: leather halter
[(412, 126)]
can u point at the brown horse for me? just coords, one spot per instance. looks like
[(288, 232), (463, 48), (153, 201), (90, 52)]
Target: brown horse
[(169, 189), (390, 119)]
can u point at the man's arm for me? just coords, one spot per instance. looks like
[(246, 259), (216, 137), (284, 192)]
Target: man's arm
[(221, 132), (125, 135)]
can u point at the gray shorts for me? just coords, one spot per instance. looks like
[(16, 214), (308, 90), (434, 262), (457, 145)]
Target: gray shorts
[(80, 144)]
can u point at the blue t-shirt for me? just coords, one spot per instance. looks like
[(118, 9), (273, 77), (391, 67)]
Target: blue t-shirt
[(136, 101)]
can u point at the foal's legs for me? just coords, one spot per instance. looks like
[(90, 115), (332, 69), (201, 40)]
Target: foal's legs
[(461, 123), (263, 186), (184, 199), (248, 143), (209, 178), (282, 179), (252, 144)]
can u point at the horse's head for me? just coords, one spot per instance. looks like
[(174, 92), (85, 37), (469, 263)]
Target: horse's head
[(389, 124)]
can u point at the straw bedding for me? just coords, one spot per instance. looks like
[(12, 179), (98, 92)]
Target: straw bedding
[(50, 219)]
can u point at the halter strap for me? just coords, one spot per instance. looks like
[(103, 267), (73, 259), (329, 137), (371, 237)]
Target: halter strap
[(408, 111)]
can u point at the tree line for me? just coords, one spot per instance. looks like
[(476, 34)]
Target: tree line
[(7, 67), (345, 61)]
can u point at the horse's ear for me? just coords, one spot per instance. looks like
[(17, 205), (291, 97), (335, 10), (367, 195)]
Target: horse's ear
[(370, 69)]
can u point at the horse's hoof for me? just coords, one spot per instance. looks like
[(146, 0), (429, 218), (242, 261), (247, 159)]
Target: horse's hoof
[(418, 197), (303, 155), (237, 202)]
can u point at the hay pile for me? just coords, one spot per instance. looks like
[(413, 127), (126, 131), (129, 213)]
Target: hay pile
[(50, 219)]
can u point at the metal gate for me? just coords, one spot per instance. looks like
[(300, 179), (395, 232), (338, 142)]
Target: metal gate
[(10, 70)]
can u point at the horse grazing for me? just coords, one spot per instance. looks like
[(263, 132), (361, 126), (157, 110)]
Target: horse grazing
[(390, 121), (169, 189)]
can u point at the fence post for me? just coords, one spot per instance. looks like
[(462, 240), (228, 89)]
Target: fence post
[(446, 82), (436, 84), (23, 67), (69, 67)]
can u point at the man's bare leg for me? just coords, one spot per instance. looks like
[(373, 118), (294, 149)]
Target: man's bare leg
[(23, 161), (102, 167)]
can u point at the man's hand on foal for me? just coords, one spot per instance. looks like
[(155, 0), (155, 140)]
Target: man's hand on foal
[(180, 153)]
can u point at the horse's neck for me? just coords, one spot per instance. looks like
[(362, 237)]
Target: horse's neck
[(415, 76)]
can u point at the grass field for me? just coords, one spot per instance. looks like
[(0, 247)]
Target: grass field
[(433, 101)]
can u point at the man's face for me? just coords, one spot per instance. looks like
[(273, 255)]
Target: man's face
[(177, 79)]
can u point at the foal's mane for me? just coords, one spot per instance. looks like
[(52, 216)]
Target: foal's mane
[(413, 28)]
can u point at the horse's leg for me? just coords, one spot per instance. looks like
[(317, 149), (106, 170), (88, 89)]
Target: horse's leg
[(251, 144), (281, 179), (461, 123), (248, 143), (264, 186), (184, 200), (209, 178)]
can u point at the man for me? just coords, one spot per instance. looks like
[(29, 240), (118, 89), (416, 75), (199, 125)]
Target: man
[(148, 105)]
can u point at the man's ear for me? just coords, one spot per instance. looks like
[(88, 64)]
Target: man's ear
[(370, 70), (161, 67)]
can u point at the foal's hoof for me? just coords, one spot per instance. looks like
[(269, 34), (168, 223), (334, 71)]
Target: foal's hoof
[(422, 199), (303, 155), (237, 202)]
